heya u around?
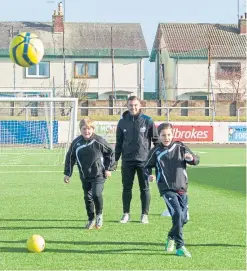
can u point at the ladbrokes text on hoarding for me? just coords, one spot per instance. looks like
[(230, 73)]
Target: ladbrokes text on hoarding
[(190, 133), (193, 133)]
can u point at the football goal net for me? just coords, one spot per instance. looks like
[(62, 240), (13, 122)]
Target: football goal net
[(36, 130)]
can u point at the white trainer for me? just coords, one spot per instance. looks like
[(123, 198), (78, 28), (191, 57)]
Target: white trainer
[(99, 221), (144, 219), (125, 218)]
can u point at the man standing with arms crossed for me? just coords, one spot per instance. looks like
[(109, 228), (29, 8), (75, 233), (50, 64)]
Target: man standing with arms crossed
[(135, 132)]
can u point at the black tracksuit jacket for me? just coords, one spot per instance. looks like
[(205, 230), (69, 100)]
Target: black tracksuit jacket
[(134, 137), (93, 157), (170, 166)]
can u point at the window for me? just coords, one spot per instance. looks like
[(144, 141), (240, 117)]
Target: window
[(40, 70), (226, 70), (228, 96), (86, 69), (122, 97)]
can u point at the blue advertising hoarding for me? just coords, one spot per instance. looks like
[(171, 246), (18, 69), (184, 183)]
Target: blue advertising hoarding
[(237, 133)]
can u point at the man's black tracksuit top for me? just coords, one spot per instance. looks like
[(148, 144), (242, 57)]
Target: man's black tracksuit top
[(170, 166), (93, 157), (134, 136)]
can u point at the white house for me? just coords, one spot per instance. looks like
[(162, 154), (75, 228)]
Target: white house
[(200, 61), (109, 57)]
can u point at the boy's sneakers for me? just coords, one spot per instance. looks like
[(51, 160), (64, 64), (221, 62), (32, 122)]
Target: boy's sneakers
[(144, 219), (90, 224), (125, 218), (99, 221), (182, 251), (170, 245)]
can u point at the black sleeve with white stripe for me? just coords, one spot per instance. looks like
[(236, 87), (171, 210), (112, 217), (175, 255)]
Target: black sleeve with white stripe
[(108, 153), (70, 160)]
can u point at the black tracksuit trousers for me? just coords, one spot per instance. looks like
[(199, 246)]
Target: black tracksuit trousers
[(128, 174), (93, 197), (177, 205)]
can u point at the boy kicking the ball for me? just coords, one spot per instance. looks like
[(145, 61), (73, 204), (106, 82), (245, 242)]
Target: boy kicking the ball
[(169, 158), (95, 161)]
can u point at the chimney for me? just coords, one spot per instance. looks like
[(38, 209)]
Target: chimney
[(57, 19), (242, 24)]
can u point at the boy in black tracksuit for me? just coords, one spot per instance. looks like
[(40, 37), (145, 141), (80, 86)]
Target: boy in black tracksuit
[(169, 159), (135, 133), (95, 159)]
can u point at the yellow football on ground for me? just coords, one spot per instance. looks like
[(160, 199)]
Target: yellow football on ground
[(26, 49), (36, 243)]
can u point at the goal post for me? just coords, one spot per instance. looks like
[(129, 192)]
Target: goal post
[(20, 127)]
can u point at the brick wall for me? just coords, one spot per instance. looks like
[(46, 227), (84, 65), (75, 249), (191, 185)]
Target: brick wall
[(223, 108)]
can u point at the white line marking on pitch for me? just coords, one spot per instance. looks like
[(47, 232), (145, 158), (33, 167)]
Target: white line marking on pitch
[(61, 171), (200, 165), (31, 165)]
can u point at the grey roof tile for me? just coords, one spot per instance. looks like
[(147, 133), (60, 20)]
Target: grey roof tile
[(192, 40), (82, 39)]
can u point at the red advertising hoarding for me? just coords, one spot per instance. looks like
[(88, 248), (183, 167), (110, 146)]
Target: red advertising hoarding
[(193, 133), (189, 133)]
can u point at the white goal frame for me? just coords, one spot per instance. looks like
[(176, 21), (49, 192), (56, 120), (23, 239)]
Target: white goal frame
[(51, 114)]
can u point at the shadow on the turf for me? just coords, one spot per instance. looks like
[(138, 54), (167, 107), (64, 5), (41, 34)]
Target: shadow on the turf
[(117, 221), (39, 227), (90, 243), (213, 245), (228, 178), (110, 251), (57, 220), (40, 219)]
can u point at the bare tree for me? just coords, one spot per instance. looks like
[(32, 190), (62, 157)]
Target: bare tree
[(77, 88), (231, 84)]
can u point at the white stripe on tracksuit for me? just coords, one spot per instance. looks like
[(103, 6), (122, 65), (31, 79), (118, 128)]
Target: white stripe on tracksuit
[(168, 204), (82, 146), (102, 160)]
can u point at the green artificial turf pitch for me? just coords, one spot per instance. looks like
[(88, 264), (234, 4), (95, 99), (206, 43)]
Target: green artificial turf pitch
[(34, 200)]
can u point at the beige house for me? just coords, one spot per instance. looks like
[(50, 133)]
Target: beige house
[(107, 58), (200, 61)]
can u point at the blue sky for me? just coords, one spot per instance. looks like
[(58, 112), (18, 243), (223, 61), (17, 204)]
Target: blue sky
[(148, 13)]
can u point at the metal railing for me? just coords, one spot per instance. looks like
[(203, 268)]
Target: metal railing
[(167, 109), (117, 110), (238, 112)]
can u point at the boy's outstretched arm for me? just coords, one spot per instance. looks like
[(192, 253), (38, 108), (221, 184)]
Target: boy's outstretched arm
[(190, 157), (69, 161)]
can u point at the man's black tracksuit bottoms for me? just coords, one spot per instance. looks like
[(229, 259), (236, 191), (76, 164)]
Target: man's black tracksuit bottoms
[(129, 168)]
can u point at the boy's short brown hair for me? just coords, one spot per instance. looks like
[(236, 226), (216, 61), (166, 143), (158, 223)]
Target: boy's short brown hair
[(164, 126), (86, 122)]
